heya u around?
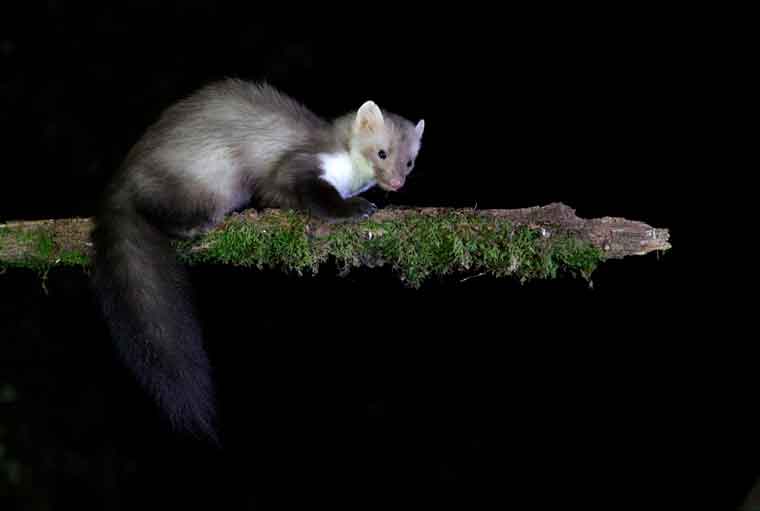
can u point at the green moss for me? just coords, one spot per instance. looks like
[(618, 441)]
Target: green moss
[(39, 250), (421, 246), (573, 256), (417, 247), (278, 241), (73, 258)]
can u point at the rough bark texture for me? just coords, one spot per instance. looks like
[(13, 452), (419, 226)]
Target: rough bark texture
[(47, 243)]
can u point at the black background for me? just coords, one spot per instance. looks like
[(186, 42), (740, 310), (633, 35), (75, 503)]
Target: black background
[(357, 393)]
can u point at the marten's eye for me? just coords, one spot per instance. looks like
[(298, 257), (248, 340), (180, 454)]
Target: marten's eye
[(382, 154), (409, 163)]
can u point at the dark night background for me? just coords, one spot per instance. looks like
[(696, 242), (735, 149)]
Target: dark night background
[(356, 393)]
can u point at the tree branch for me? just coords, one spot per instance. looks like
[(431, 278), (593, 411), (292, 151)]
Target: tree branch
[(417, 242)]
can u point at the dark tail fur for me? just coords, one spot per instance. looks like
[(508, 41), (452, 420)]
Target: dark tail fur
[(144, 295)]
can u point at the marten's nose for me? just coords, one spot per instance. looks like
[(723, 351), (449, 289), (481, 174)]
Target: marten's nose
[(397, 182)]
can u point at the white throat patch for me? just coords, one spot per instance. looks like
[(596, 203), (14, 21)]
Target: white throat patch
[(347, 176)]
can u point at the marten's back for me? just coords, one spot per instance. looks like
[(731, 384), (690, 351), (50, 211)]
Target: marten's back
[(227, 133)]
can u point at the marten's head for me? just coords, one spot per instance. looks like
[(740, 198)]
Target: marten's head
[(388, 143)]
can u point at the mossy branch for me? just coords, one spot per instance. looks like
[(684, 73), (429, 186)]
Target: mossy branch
[(539, 242)]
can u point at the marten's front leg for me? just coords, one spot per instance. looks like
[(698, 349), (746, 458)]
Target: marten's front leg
[(321, 199)]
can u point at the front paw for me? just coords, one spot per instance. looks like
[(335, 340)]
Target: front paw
[(359, 207)]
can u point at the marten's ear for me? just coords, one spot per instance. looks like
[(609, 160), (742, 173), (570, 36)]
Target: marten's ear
[(420, 128), (369, 118)]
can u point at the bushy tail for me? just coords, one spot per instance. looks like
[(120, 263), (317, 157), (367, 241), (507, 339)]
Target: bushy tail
[(144, 295)]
